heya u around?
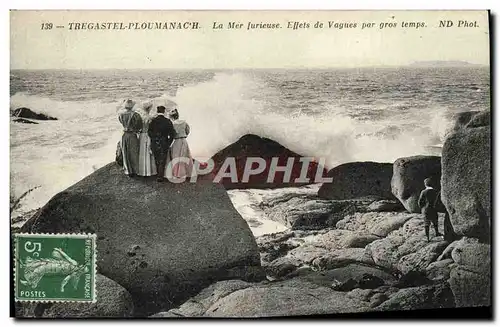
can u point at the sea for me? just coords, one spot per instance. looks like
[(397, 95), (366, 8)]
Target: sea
[(342, 115)]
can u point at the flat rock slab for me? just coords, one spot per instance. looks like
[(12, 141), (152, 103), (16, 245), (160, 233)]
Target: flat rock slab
[(284, 300)]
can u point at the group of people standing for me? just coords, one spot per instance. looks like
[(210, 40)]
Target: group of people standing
[(154, 145)]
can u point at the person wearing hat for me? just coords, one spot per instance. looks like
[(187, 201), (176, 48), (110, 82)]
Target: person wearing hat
[(132, 124), (180, 159), (162, 134), (427, 202), (147, 166)]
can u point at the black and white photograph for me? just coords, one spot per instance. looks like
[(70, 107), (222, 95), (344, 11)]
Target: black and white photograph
[(250, 164)]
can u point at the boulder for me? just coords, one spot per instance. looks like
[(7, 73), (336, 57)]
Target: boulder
[(273, 246), (461, 119), (464, 241), (255, 146), (417, 298), (439, 270), (375, 223), (199, 304), (332, 239), (386, 206), (413, 278), (309, 212), (358, 179), (365, 277), (470, 289), (377, 299), (475, 257), (358, 240), (466, 181), (422, 258), (163, 242), (406, 248), (288, 298), (470, 278), (282, 266), (408, 178), (482, 118), (24, 121), (112, 301), (30, 114), (341, 258), (308, 253)]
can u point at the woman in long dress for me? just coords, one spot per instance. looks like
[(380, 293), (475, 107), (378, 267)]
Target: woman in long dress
[(147, 165), (179, 159), (132, 124)]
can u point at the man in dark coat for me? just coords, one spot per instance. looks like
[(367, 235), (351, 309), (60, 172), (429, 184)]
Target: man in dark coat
[(427, 202), (162, 133)]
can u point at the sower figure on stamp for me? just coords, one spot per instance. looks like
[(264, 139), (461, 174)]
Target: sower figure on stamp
[(132, 124), (162, 133), (427, 203)]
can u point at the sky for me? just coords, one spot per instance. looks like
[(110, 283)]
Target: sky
[(32, 47)]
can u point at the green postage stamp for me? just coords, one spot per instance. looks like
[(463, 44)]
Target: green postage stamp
[(55, 267)]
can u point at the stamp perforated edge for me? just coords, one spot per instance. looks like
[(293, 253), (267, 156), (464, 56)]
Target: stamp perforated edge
[(57, 235)]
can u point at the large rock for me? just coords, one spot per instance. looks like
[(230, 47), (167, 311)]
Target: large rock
[(417, 298), (28, 113), (386, 206), (439, 270), (422, 258), (466, 181), (470, 278), (470, 119), (461, 119), (307, 211), (470, 289), (24, 121), (199, 304), (112, 301), (406, 249), (342, 257), (162, 241), (378, 224), (408, 178), (358, 179), (237, 299), (286, 299), (355, 271), (482, 118), (254, 146)]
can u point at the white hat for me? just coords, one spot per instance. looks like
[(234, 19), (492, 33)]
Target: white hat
[(147, 105), (129, 104)]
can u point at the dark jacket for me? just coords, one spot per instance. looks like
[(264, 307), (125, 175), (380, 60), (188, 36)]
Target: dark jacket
[(161, 128), (427, 200)]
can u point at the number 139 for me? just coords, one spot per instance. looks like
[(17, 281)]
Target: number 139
[(47, 26)]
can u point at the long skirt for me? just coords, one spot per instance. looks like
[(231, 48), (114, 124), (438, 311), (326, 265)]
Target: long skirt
[(179, 160), (130, 152), (147, 166)]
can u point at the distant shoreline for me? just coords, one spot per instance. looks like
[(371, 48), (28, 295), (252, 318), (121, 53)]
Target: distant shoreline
[(409, 66)]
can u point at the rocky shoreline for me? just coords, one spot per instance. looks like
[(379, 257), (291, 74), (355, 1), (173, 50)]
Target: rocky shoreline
[(348, 249)]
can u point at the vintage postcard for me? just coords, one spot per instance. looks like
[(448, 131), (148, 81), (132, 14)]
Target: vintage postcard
[(250, 164)]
